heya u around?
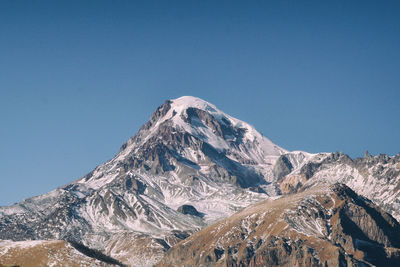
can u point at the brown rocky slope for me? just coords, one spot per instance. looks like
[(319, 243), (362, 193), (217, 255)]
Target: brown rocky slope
[(331, 226)]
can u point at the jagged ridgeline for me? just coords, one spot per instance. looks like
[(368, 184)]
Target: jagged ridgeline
[(188, 167)]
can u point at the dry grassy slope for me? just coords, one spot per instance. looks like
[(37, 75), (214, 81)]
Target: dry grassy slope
[(43, 253), (139, 249), (318, 227)]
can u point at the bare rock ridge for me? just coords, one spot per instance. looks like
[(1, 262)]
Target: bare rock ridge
[(188, 167), (375, 177), (318, 227)]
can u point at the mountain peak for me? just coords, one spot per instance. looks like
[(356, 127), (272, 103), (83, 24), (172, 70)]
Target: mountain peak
[(183, 104), (187, 135), (192, 101), (206, 122)]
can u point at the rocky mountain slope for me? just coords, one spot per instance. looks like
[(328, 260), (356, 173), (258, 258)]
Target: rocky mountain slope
[(377, 178), (189, 166), (318, 227)]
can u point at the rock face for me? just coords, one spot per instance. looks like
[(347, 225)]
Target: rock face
[(317, 227), (282, 167)]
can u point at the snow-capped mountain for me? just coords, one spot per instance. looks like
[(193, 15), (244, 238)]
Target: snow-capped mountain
[(189, 166), (189, 153)]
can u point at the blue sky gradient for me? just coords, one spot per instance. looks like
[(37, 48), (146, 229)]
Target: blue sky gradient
[(78, 78)]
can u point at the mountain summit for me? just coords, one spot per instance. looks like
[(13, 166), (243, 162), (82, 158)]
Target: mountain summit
[(207, 123), (199, 138), (189, 166)]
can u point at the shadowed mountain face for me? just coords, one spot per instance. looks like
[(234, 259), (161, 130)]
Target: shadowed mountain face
[(189, 166), (318, 227)]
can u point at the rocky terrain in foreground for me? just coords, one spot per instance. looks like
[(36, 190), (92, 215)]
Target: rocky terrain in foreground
[(316, 227)]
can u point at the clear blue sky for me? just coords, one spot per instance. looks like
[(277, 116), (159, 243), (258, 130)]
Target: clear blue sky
[(78, 78)]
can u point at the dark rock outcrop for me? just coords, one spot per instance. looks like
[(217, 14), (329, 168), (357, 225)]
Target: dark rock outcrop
[(282, 167), (189, 209)]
